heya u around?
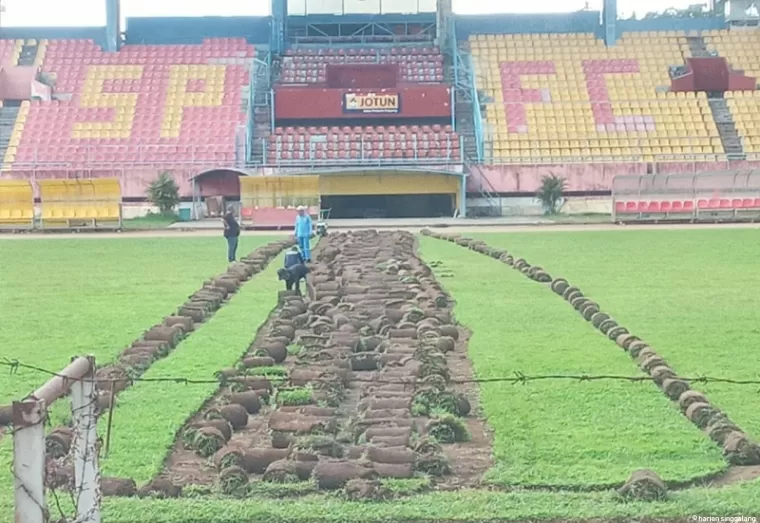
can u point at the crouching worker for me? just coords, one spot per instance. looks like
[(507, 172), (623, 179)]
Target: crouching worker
[(294, 271)]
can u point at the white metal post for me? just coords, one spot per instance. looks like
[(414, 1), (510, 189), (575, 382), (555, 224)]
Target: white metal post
[(85, 448), (29, 461)]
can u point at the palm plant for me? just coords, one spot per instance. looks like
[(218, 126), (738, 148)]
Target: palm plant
[(163, 192), (550, 193)]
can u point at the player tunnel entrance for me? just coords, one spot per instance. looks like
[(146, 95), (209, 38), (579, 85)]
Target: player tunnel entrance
[(389, 195), (359, 206)]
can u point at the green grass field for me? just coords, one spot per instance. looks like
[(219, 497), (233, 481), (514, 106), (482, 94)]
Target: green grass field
[(561, 433), (95, 296), (148, 416), (60, 297), (692, 294)]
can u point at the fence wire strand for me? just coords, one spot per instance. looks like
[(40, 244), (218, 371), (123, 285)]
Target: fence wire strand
[(517, 377)]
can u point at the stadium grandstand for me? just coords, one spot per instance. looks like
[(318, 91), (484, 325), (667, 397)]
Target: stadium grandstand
[(375, 108)]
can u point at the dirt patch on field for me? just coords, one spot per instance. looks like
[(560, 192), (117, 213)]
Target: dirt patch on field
[(735, 474), (375, 384), (470, 459)]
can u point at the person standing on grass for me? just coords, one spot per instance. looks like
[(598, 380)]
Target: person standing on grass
[(232, 233), (303, 232)]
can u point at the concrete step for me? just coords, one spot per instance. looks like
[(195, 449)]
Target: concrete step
[(28, 54)]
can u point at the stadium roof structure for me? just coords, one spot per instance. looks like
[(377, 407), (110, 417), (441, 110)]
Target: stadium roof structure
[(289, 20)]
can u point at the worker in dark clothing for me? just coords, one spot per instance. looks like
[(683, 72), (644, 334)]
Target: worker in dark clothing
[(294, 270), (293, 257), (232, 233)]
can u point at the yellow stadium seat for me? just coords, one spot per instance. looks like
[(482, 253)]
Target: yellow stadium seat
[(16, 204), (637, 113), (78, 203)]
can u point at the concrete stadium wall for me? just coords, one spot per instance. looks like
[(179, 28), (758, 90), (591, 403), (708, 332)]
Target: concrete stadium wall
[(587, 205), (362, 19), (137, 210), (671, 24), (529, 206), (192, 30), (257, 29), (98, 34), (578, 22), (517, 178)]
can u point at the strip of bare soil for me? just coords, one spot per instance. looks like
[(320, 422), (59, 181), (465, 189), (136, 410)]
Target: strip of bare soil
[(365, 390)]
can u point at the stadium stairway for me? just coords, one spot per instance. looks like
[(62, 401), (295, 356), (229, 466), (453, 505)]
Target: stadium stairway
[(463, 106), (466, 128), (729, 136), (28, 53), (697, 47), (262, 109), (8, 117)]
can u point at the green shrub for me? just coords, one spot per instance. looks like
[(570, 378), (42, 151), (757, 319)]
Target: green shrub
[(163, 192)]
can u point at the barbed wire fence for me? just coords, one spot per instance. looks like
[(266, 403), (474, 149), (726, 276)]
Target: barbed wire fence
[(30, 463), (517, 377), (79, 382)]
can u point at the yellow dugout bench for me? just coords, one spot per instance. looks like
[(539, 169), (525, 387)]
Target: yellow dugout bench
[(16, 204), (270, 201), (81, 203)]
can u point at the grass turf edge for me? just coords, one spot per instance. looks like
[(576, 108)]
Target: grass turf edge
[(148, 417), (469, 505), (683, 456)]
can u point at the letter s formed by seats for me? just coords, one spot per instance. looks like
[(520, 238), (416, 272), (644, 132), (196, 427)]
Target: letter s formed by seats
[(191, 86), (123, 104)]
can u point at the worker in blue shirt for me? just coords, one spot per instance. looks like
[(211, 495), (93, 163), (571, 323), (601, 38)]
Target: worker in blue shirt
[(303, 232)]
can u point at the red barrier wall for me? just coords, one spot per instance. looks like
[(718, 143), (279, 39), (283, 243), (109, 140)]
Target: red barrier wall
[(711, 74), (303, 103), (16, 82), (523, 179), (580, 177), (362, 76)]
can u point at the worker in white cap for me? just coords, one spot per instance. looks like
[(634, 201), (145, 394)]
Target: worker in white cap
[(303, 232)]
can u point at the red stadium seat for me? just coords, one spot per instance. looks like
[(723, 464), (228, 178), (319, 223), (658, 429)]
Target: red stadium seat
[(210, 132), (653, 207), (358, 143), (666, 206)]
